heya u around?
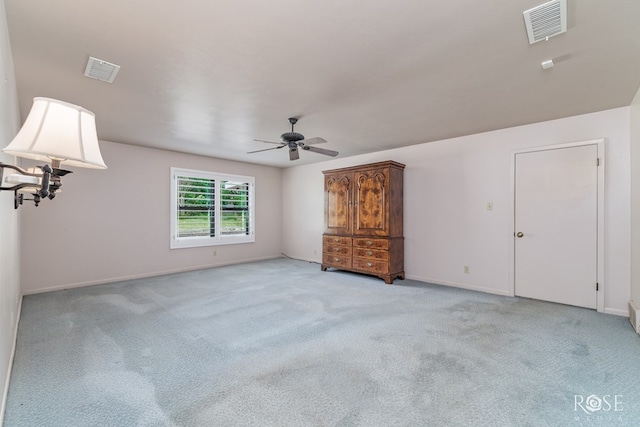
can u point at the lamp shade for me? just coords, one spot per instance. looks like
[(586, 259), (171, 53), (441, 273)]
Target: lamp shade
[(57, 130)]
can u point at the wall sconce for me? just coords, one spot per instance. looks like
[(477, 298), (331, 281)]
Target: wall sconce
[(56, 132)]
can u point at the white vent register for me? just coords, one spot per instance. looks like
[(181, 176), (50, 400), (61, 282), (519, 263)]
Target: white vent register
[(546, 20), (101, 70)]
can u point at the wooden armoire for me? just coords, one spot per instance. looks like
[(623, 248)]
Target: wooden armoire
[(363, 220)]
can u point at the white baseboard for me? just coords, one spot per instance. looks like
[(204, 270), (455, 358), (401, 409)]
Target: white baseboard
[(143, 276), (461, 285), (634, 316), (427, 280), (314, 261), (616, 312), (5, 393)]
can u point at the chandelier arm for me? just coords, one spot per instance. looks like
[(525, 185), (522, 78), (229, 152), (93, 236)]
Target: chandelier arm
[(20, 171), (49, 184)]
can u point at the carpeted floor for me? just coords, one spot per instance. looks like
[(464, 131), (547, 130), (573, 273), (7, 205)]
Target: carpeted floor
[(279, 343)]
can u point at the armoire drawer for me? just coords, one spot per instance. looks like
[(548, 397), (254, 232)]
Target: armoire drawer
[(337, 250), (336, 240), (371, 254), (336, 261), (371, 243), (380, 267)]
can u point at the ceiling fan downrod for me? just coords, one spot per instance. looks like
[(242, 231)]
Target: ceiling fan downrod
[(293, 121)]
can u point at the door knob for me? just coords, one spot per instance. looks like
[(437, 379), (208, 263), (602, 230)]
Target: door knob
[(520, 234)]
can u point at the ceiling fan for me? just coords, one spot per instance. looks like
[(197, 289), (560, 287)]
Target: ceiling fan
[(293, 140)]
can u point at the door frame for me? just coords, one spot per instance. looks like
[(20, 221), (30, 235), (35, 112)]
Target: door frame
[(600, 144)]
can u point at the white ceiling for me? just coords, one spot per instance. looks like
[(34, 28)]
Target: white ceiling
[(208, 76)]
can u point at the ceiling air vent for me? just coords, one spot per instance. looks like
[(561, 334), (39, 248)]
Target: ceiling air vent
[(101, 70), (546, 20)]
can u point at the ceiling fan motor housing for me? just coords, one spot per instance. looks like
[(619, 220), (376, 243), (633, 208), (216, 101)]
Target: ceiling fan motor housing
[(292, 136)]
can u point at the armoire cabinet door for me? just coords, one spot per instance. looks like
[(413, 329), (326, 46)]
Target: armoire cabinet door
[(337, 199), (371, 205)]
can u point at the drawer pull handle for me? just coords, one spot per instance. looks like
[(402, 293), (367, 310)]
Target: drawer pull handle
[(369, 253), (336, 259), (336, 249), (336, 240), (369, 264), (369, 243)]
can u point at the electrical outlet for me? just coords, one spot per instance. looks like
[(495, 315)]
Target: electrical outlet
[(466, 269)]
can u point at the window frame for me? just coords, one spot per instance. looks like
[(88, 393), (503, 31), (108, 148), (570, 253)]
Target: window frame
[(176, 242)]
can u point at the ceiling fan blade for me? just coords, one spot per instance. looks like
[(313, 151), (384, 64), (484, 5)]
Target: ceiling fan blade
[(321, 151), (293, 154), (315, 140), (266, 149), (268, 142)]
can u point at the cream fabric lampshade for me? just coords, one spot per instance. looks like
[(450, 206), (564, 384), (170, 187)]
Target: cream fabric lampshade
[(57, 130)]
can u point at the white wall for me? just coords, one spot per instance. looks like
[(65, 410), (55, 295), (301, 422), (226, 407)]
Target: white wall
[(9, 224), (635, 200), (110, 225), (447, 186)]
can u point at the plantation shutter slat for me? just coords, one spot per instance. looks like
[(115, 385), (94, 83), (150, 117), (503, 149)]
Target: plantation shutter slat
[(196, 207), (234, 208)]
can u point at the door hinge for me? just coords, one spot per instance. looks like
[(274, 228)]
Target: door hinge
[(598, 161), (597, 286)]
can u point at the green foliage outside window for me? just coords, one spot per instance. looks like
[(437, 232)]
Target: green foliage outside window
[(196, 207)]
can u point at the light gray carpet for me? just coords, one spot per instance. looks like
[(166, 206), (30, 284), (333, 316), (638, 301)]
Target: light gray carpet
[(280, 343)]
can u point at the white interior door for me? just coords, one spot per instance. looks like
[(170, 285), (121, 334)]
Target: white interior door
[(556, 225)]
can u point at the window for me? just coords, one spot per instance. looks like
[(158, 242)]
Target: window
[(210, 209)]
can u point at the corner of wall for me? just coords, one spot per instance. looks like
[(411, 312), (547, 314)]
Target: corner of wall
[(10, 293), (634, 316), (635, 197)]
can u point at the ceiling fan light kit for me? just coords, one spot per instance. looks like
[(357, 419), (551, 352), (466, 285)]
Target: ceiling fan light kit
[(295, 140)]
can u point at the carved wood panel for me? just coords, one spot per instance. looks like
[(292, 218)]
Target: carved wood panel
[(338, 204), (371, 217)]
